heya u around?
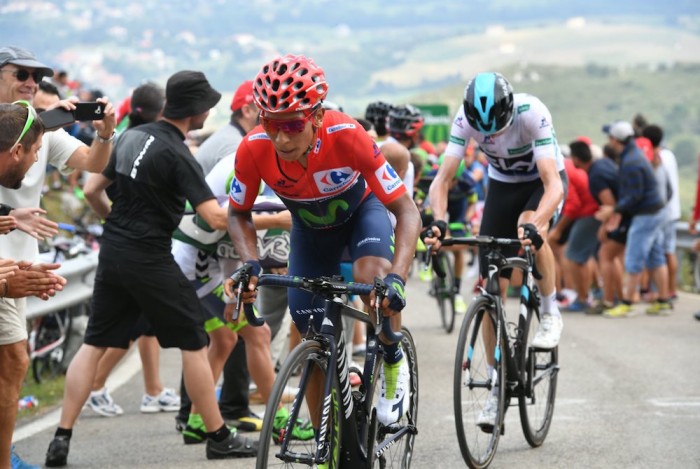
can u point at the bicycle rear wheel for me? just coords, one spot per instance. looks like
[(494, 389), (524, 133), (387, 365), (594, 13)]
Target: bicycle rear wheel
[(50, 344), (536, 402), (398, 454), (473, 385), (311, 359), (444, 292)]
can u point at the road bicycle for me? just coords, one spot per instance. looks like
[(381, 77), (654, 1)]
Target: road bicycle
[(495, 356), (347, 433)]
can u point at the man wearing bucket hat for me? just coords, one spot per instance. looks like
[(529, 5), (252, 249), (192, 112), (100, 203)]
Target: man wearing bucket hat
[(149, 177)]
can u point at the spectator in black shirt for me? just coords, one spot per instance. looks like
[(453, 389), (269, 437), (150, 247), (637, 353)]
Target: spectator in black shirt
[(150, 175)]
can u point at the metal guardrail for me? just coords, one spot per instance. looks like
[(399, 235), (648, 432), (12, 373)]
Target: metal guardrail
[(80, 273)]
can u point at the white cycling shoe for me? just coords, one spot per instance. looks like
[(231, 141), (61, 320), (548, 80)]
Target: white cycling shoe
[(393, 397)]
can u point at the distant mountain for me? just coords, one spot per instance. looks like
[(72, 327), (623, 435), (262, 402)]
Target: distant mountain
[(369, 49)]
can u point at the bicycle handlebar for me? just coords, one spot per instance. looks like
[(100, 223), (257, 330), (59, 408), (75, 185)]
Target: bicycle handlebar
[(322, 286)]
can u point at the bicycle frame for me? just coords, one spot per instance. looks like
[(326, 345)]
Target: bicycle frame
[(358, 421)]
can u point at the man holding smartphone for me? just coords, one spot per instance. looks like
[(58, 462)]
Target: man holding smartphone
[(20, 73)]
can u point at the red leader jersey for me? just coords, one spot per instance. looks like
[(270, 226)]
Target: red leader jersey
[(343, 167)]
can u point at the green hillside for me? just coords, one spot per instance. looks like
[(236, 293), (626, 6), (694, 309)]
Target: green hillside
[(582, 99)]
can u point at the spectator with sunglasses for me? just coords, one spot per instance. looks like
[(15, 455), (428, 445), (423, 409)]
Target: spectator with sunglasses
[(337, 184), (20, 139), (20, 73)]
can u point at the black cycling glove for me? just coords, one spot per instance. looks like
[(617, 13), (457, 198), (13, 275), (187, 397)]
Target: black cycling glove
[(440, 224), (396, 291), (530, 232)]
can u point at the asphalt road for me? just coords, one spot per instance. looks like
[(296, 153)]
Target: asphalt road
[(628, 397)]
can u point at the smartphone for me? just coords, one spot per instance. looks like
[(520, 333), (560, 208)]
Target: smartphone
[(59, 117), (89, 111), (56, 118)]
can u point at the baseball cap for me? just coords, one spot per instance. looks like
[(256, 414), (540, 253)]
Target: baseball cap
[(22, 57), (242, 96), (188, 93), (619, 130)]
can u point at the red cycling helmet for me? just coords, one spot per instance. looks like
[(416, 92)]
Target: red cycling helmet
[(289, 84)]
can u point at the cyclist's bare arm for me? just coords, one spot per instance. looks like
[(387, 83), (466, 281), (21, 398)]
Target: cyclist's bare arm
[(244, 238), (553, 195), (438, 193), (408, 227)]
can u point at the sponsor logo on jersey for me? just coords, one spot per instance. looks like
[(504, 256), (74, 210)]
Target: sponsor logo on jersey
[(237, 191), (376, 149), (544, 141), (523, 107), (339, 127), (518, 151), (457, 140), (544, 123), (459, 122), (317, 148), (370, 239), (260, 136), (334, 179), (388, 178)]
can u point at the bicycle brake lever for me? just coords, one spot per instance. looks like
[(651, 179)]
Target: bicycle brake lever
[(383, 323)]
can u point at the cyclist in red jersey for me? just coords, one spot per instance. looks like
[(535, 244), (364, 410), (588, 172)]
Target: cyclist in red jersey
[(338, 186)]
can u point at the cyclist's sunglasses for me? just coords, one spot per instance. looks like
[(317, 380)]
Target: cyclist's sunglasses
[(31, 117), (293, 126), (24, 74)]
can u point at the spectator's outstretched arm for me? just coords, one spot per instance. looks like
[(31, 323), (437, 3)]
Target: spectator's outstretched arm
[(33, 222)]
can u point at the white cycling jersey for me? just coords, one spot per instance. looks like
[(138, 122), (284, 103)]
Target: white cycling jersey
[(513, 154)]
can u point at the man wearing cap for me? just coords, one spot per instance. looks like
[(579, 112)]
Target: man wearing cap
[(223, 142), (639, 198), (150, 176)]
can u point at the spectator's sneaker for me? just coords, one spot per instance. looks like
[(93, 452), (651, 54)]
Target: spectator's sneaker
[(619, 311), (303, 430), (425, 275), (57, 454), (697, 315), (247, 423), (18, 463), (394, 394), (195, 432), (487, 418), (548, 332), (660, 308), (166, 401), (599, 307), (460, 304), (102, 403), (578, 306), (234, 446)]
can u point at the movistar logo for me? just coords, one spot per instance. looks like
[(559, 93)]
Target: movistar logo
[(327, 219), (399, 289)]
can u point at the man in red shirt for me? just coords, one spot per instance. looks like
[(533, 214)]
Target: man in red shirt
[(578, 217), (338, 186)]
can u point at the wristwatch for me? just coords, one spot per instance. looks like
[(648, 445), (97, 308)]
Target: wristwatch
[(104, 140), (5, 210)]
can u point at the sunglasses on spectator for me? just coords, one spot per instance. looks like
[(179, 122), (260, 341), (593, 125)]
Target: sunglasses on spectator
[(24, 74), (31, 117), (293, 126)]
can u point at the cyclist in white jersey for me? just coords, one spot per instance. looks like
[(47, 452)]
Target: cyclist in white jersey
[(527, 181)]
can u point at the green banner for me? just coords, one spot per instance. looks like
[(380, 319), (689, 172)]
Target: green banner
[(438, 122)]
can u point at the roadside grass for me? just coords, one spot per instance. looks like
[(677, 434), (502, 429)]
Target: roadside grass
[(47, 394)]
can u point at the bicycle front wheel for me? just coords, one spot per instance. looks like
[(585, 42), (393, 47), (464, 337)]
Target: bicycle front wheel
[(444, 292), (299, 387), (478, 422), (395, 442), (536, 403)]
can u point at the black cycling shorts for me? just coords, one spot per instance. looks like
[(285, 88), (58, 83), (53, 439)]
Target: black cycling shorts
[(504, 204)]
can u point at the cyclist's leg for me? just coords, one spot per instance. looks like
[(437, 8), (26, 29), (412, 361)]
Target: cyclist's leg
[(305, 261)]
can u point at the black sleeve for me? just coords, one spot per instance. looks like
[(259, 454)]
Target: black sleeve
[(191, 181)]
